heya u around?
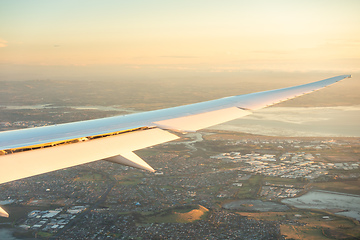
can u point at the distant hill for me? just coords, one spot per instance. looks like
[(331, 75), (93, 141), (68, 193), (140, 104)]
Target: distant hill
[(182, 214)]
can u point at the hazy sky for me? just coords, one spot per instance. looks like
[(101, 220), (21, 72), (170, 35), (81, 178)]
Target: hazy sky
[(206, 35)]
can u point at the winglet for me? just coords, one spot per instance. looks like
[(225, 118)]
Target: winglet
[(132, 160), (3, 213)]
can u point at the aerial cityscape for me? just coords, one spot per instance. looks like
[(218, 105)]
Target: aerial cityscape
[(211, 184), (226, 194)]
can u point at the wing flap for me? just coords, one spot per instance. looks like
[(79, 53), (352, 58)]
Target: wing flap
[(195, 122), (132, 160), (21, 165)]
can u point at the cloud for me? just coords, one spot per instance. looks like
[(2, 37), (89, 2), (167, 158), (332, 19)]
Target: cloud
[(270, 52), (3, 43), (178, 56)]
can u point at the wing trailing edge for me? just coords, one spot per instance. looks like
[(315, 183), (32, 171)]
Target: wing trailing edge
[(195, 122), (25, 164)]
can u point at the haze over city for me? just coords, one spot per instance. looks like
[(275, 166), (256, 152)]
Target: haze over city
[(113, 40)]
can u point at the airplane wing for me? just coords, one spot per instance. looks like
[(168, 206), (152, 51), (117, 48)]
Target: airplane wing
[(33, 151)]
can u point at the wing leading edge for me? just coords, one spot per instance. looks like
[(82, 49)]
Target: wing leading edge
[(29, 152), (75, 130)]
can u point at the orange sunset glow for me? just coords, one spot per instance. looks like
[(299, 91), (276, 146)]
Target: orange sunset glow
[(213, 36)]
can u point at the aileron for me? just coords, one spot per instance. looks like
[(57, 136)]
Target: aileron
[(195, 122)]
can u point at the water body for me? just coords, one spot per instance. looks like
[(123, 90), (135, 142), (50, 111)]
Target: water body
[(196, 137), (255, 205), (342, 121), (6, 234), (345, 204), (5, 202)]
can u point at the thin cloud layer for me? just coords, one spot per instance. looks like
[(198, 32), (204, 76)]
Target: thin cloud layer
[(3, 43)]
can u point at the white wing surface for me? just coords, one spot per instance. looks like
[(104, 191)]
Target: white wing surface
[(33, 151)]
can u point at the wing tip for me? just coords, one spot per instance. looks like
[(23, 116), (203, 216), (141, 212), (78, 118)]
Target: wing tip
[(345, 76)]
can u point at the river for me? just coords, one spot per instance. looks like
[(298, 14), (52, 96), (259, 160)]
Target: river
[(6, 234), (341, 121)]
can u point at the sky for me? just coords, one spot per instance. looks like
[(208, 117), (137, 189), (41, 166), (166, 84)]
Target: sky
[(42, 39)]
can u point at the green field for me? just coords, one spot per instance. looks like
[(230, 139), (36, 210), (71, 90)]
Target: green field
[(349, 186), (250, 188), (90, 177)]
